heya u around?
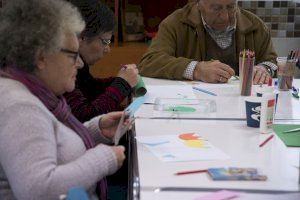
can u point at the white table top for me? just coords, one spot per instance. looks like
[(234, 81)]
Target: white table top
[(241, 143), (228, 133), (229, 103), (157, 81)]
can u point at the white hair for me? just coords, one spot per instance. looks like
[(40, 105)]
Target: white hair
[(28, 26)]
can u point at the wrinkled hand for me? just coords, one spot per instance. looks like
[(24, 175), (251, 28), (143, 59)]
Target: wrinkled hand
[(119, 151), (129, 73), (108, 123), (213, 72), (260, 75)]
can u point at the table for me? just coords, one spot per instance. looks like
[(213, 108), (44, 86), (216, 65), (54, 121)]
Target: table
[(234, 138), (230, 105), (225, 129)]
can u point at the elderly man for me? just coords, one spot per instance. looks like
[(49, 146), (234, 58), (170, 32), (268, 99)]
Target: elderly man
[(202, 40)]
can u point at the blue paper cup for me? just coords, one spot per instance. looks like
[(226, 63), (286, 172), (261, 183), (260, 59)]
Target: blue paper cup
[(253, 108)]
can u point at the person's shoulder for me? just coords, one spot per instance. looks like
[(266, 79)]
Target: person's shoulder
[(15, 93), (251, 22), (178, 15)]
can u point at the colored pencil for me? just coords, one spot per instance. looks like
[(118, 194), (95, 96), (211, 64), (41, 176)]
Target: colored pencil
[(267, 140), (292, 130), (204, 91), (191, 172)]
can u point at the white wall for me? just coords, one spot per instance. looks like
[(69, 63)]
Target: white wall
[(284, 45)]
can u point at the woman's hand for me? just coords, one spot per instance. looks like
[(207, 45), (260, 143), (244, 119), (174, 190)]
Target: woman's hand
[(129, 73), (119, 151), (108, 123)]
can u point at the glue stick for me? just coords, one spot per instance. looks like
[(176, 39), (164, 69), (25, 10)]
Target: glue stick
[(267, 112)]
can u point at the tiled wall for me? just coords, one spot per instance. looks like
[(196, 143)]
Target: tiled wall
[(282, 17)]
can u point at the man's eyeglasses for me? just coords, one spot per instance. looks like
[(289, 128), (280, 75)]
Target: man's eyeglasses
[(73, 54), (105, 42), (230, 9)]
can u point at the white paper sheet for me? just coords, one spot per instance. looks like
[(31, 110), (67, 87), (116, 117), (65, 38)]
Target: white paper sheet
[(173, 148)]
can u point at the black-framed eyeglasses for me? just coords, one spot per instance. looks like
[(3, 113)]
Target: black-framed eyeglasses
[(105, 42), (73, 54)]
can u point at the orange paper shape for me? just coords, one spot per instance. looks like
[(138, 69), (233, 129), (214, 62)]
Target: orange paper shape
[(189, 136)]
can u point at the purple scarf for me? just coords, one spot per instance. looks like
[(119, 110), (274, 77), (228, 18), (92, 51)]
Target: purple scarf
[(59, 108)]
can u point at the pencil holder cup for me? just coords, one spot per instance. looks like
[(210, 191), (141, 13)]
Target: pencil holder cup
[(246, 75), (253, 108), (286, 72), (140, 88)]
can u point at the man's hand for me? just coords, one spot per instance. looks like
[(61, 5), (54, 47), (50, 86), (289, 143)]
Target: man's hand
[(213, 72), (119, 152), (260, 75), (129, 73)]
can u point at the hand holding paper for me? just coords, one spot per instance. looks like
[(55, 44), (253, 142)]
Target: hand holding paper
[(122, 127), (127, 118), (108, 123)]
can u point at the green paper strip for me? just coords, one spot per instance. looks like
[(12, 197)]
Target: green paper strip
[(182, 109), (140, 88)]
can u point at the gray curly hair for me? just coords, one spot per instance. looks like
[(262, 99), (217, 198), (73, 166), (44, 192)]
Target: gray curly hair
[(29, 26)]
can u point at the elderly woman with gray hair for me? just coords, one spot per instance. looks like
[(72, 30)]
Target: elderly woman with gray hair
[(44, 149)]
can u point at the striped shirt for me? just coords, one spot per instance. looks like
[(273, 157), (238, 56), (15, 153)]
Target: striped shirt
[(94, 96)]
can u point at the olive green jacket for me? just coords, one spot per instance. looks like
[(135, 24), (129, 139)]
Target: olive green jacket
[(181, 39)]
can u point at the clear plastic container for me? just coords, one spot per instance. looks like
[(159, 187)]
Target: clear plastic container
[(185, 106), (286, 72)]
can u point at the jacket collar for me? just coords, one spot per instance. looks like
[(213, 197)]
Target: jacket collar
[(244, 25), (192, 15)]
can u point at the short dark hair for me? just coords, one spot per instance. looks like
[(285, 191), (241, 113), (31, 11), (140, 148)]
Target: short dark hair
[(98, 17)]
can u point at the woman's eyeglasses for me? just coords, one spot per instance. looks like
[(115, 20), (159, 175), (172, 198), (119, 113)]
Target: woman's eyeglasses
[(105, 42), (75, 54)]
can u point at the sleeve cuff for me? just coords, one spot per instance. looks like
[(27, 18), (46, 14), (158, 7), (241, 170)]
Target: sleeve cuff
[(189, 71), (271, 67), (106, 158), (121, 86), (93, 126)]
